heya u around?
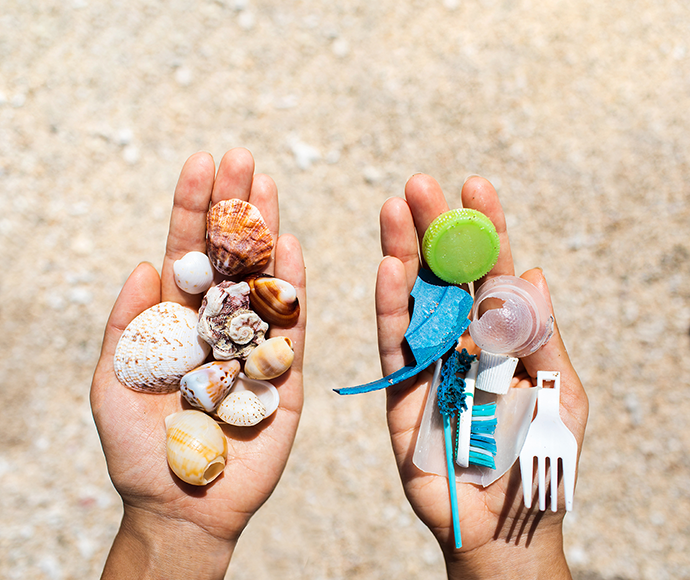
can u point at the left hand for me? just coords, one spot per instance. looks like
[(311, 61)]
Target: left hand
[(157, 506)]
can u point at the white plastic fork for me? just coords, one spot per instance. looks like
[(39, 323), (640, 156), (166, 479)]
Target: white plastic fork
[(548, 438)]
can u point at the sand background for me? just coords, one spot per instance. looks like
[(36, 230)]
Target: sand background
[(577, 111)]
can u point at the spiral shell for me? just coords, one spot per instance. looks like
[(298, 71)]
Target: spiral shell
[(193, 273), (249, 403), (205, 387), (158, 347), (228, 324), (196, 447), (239, 241), (273, 299), (270, 359), (520, 324)]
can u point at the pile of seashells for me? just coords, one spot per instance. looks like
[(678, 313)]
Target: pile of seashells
[(165, 348)]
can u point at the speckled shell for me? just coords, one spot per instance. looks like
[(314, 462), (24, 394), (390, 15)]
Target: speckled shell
[(158, 347), (273, 299), (206, 386), (227, 322), (249, 403), (196, 447), (193, 273), (238, 241), (270, 359)]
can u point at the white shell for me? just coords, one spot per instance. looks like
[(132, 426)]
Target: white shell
[(196, 447), (158, 347), (270, 359), (205, 387), (193, 273), (249, 402)]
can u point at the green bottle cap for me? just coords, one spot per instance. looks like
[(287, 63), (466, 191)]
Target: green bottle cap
[(461, 246)]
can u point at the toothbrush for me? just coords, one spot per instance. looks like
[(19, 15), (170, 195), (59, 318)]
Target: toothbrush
[(475, 442)]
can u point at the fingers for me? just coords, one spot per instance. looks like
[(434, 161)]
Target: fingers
[(479, 194), (554, 357), (398, 237), (426, 200), (392, 314), (289, 266), (141, 291), (187, 231)]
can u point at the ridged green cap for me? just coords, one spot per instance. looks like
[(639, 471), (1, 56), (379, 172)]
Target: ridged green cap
[(461, 246)]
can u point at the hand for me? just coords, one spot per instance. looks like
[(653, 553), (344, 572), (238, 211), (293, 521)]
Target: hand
[(496, 528), (171, 529)]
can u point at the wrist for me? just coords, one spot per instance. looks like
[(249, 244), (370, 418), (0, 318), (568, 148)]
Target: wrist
[(148, 545), (536, 557)]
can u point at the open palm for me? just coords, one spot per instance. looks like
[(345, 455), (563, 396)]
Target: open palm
[(492, 518), (131, 424)]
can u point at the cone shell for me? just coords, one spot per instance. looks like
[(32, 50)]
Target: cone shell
[(270, 359), (159, 347), (227, 322), (196, 447), (206, 386), (249, 403), (273, 299), (238, 242)]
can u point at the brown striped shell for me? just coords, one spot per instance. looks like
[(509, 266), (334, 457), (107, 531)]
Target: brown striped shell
[(238, 240), (273, 299)]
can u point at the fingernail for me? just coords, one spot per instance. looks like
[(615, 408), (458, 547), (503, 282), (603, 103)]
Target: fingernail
[(470, 176)]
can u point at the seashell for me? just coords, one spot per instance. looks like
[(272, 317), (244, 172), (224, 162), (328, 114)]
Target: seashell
[(270, 359), (273, 299), (238, 241), (158, 347), (249, 402), (510, 316), (196, 447), (193, 273), (227, 322), (205, 387)]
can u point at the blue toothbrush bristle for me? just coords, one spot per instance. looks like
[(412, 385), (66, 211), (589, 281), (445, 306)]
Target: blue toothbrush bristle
[(482, 441)]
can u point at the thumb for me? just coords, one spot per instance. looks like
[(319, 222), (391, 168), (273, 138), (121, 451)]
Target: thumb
[(553, 356)]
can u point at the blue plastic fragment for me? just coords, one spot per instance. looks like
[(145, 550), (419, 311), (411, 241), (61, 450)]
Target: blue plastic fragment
[(439, 317)]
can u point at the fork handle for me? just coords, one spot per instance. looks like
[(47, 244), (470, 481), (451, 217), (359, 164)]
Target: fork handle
[(549, 400)]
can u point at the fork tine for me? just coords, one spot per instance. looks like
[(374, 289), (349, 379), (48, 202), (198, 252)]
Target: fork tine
[(569, 483), (541, 470), (527, 472), (554, 483)]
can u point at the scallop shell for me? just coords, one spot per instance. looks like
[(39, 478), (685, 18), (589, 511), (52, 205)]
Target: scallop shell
[(193, 273), (205, 387), (239, 241), (519, 325), (158, 347), (196, 447), (228, 324), (249, 403), (270, 359), (273, 299)]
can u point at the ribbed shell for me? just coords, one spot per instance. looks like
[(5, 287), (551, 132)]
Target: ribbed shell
[(158, 347), (196, 447), (249, 403), (238, 241)]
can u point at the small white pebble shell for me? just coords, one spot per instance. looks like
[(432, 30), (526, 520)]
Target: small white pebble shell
[(206, 386), (196, 447), (193, 273), (158, 348), (249, 402)]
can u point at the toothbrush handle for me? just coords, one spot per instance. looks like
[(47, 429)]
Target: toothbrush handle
[(452, 485)]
